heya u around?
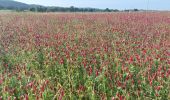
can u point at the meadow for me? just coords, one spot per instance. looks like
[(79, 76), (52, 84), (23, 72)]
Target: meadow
[(85, 56)]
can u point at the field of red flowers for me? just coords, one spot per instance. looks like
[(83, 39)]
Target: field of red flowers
[(85, 56)]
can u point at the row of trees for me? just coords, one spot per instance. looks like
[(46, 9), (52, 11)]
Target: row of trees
[(63, 9), (69, 9)]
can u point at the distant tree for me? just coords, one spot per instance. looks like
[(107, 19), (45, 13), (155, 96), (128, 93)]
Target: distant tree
[(127, 10), (107, 10), (72, 9), (136, 10), (115, 10), (32, 9), (41, 9)]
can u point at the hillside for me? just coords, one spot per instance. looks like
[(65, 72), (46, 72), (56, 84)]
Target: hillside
[(19, 6), (10, 4)]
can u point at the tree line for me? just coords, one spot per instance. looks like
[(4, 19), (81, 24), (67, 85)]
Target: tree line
[(62, 9), (69, 9)]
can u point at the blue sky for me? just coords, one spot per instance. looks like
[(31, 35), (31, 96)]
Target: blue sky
[(114, 4)]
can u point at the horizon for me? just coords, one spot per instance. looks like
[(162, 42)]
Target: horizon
[(111, 4)]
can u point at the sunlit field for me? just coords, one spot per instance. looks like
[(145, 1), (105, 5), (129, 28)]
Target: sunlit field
[(85, 56)]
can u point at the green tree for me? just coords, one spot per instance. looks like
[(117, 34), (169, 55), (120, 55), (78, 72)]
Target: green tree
[(107, 10), (33, 9)]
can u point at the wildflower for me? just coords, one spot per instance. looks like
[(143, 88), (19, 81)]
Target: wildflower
[(1, 81)]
